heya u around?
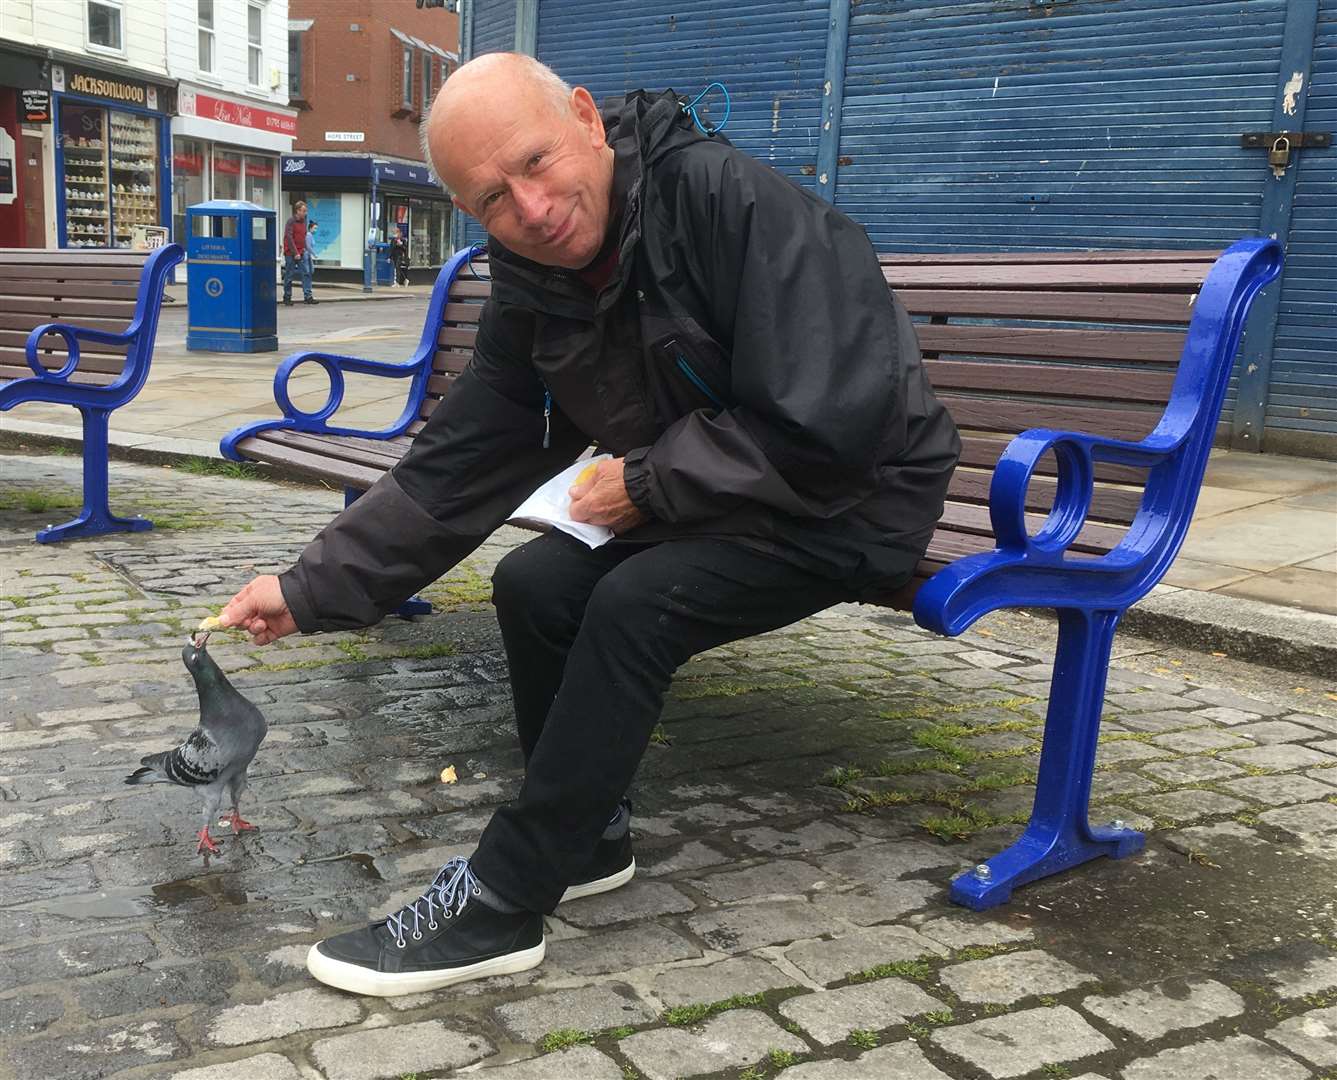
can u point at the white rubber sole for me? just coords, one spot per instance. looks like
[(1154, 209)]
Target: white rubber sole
[(360, 980), (598, 885)]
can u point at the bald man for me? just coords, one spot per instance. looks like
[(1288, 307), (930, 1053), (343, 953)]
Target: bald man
[(728, 338)]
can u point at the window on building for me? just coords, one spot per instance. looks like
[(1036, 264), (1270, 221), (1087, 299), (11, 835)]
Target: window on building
[(295, 64), (205, 17), (255, 47), (104, 24), (406, 94), (425, 63)]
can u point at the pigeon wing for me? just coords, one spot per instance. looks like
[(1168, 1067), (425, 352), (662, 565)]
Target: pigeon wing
[(198, 760)]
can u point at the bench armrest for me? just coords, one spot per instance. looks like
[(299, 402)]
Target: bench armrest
[(418, 369), (71, 334)]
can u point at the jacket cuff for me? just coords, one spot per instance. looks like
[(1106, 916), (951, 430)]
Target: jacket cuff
[(636, 477), (299, 605)]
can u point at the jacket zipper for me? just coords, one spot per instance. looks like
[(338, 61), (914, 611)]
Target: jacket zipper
[(699, 382), (547, 416)]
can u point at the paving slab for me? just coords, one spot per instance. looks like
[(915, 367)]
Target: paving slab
[(1238, 1058), (1154, 1012), (733, 1039), (1021, 1042)]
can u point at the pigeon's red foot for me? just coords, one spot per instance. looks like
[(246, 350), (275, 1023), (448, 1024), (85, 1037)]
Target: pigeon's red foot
[(238, 823), (206, 843)]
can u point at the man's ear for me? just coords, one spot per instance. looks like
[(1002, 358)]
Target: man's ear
[(455, 201), (587, 115)]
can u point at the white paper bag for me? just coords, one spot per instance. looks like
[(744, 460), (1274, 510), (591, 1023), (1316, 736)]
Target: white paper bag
[(551, 505)]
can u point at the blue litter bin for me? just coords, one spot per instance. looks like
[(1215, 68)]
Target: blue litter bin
[(231, 305), (385, 269)]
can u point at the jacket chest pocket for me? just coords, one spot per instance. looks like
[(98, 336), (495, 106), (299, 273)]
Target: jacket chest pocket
[(689, 377)]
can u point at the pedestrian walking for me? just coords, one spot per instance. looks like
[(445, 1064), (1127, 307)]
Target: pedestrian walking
[(295, 255)]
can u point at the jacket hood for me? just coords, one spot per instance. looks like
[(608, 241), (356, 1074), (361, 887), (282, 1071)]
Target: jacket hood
[(641, 128)]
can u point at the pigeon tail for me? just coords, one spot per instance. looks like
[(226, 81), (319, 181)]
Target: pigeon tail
[(149, 773)]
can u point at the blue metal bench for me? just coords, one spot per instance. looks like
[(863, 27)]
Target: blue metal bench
[(101, 367), (1134, 346)]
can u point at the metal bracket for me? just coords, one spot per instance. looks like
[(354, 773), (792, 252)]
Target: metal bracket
[(1279, 145)]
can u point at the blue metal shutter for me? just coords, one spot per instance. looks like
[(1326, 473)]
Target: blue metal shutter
[(1086, 124), (770, 55), (493, 27), (1303, 390)]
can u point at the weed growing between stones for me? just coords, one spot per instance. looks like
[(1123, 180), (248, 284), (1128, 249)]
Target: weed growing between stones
[(562, 1038), (908, 969), (235, 470), (864, 1039), (687, 1015), (34, 502), (782, 1059)]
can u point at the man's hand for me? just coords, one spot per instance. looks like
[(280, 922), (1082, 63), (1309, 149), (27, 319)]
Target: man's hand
[(602, 499), (260, 610)]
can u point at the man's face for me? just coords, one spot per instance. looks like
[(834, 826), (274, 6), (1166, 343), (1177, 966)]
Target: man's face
[(300, 212), (539, 179)]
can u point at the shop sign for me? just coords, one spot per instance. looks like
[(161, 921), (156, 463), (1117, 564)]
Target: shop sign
[(208, 107), (344, 136), (404, 174), (36, 106), (315, 165), (93, 84)]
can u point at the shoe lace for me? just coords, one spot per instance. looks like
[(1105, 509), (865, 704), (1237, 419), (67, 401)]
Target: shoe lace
[(449, 891)]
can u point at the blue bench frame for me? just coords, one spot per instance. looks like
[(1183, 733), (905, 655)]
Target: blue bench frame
[(1089, 594), (96, 403)]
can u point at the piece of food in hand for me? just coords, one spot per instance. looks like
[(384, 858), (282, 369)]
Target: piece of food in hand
[(207, 626), (448, 775), (215, 755), (587, 473)]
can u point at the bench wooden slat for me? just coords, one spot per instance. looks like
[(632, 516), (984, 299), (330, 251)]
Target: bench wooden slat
[(983, 451), (264, 447), (1102, 384), (1173, 277), (459, 337), (465, 289), (25, 322), (74, 271), (367, 452), (1044, 343), (995, 258), (1095, 539), (1110, 504), (9, 372), (73, 290), (54, 342), (41, 309), (1112, 307), (1013, 417), (55, 360)]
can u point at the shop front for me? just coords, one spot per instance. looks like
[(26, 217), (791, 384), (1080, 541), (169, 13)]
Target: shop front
[(25, 123), (225, 148), (352, 196), (111, 167)]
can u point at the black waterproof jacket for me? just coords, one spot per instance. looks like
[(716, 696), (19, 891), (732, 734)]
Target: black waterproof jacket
[(746, 358)]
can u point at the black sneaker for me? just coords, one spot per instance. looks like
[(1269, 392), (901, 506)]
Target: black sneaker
[(446, 936), (287, 301), (612, 866), (311, 300)]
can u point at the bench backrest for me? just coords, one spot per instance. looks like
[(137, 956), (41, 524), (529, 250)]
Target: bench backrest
[(1076, 340), (97, 289)]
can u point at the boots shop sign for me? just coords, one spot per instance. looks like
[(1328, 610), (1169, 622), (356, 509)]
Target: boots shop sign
[(92, 84)]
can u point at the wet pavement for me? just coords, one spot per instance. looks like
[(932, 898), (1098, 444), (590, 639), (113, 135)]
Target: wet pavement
[(808, 798)]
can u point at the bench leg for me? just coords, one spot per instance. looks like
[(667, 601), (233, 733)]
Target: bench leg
[(96, 517), (414, 605), (1059, 835)]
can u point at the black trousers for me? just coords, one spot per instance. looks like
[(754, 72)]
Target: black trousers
[(593, 639)]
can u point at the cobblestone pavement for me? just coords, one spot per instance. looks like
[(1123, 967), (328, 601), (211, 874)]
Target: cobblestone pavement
[(812, 793)]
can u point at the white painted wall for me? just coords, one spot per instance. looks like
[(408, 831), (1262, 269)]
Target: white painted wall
[(231, 72), (16, 20), (63, 24)]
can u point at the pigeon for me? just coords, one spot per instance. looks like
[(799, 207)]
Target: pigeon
[(215, 755)]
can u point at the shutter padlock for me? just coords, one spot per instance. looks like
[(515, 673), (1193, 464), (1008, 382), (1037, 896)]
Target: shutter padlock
[(1279, 156)]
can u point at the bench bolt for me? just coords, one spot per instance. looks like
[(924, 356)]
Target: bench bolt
[(983, 872)]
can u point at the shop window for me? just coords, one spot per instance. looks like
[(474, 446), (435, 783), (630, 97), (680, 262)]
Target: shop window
[(190, 171), (406, 93), (104, 24), (295, 65), (260, 188), (425, 60), (84, 145), (227, 174), (255, 42), (205, 18)]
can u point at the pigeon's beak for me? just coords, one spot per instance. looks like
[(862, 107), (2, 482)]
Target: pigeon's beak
[(199, 640)]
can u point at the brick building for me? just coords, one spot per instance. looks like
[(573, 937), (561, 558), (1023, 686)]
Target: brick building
[(362, 75)]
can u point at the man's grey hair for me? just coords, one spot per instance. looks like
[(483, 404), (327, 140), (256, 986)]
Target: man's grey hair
[(556, 89)]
